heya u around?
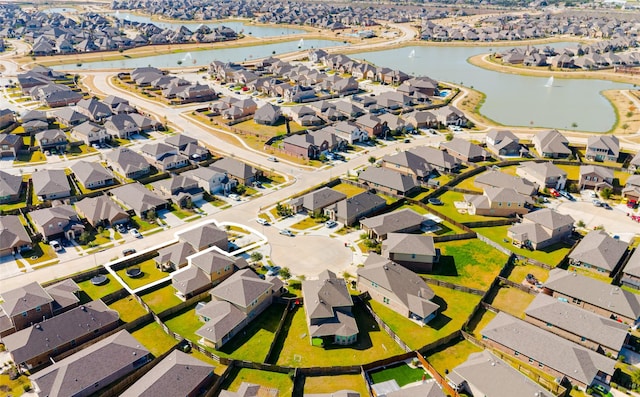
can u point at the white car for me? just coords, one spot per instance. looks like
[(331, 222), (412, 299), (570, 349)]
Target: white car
[(135, 233), (56, 245), (286, 232), (234, 196), (263, 221)]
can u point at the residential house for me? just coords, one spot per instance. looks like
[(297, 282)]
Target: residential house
[(7, 118), (312, 144), (631, 190), (236, 302), (388, 181), (247, 389), (115, 103), (90, 133), (206, 236), (94, 109), (497, 201), (598, 251), (180, 141), (57, 222), (122, 126), (595, 177), (350, 132), (350, 210), (11, 187), (140, 199), (496, 178), (34, 346), (421, 119), (178, 374), (24, 306), (339, 393), (50, 184), (478, 374), (631, 271), (305, 116), (449, 115), (503, 143), (101, 211), (180, 189), (438, 159), (602, 148), (371, 124), (551, 144), (397, 287), (544, 175), (316, 201), (69, 117), (65, 294), (92, 369), (92, 175), (13, 236), (51, 139), (540, 229), (10, 145), (145, 124), (604, 299), (174, 256), (403, 221), (268, 114), (128, 163), (464, 150), (163, 156), (392, 389), (210, 180), (409, 163), (34, 121), (243, 173), (239, 108), (327, 306), (207, 269), (549, 352), (414, 251), (634, 163), (580, 326)]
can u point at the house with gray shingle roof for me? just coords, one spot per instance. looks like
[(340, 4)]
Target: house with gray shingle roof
[(551, 353), (69, 117), (236, 169), (496, 201), (484, 374), (178, 374), (631, 271), (56, 222), (65, 295), (403, 221), (122, 125), (90, 133), (398, 288), (599, 252), (438, 159), (26, 305), (128, 163), (268, 114), (602, 148), (138, 198), (48, 139), (578, 325), (206, 236), (595, 177), (543, 175), (551, 144), (409, 163), (11, 187), (10, 144), (13, 236), (503, 143), (389, 181), (101, 210), (94, 109), (92, 175), (207, 269), (174, 257), (93, 368), (50, 184), (464, 150), (350, 210), (427, 389), (540, 229), (34, 346), (414, 251), (210, 180), (496, 178), (180, 189), (315, 202), (327, 305)]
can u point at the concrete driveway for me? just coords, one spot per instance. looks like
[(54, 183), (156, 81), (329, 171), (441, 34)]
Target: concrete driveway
[(169, 218)]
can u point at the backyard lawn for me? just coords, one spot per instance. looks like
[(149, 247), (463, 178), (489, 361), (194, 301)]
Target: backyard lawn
[(161, 299), (448, 208), (274, 380), (468, 184), (373, 344), (452, 356), (15, 387), (402, 373), (471, 263), (153, 337), (604, 277), (330, 384), (129, 309), (349, 190), (150, 273), (98, 291), (520, 271), (479, 321), (513, 301), (551, 255), (457, 308)]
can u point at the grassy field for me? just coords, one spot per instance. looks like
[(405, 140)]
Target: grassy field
[(98, 291), (15, 387), (604, 277), (161, 299), (519, 273), (402, 373), (452, 356), (455, 308), (274, 380), (150, 273), (450, 210), (551, 255), (513, 301), (330, 384), (154, 338), (373, 344), (347, 189), (471, 263), (469, 184), (129, 309)]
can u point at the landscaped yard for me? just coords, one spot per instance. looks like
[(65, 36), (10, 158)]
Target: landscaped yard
[(307, 223), (457, 308), (129, 309), (40, 252), (448, 208), (274, 380), (512, 300), (402, 373), (150, 273), (520, 271), (551, 255), (142, 224), (153, 337), (98, 291), (329, 384), (349, 190), (452, 356), (161, 299), (468, 184), (373, 344), (471, 263), (13, 387)]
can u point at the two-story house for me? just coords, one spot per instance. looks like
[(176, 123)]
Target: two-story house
[(551, 144), (544, 174), (598, 251), (540, 229), (596, 178), (497, 201), (602, 148)]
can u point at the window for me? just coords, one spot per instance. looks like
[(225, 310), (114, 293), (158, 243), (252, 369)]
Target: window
[(530, 360), (385, 300), (540, 365), (516, 353), (582, 339), (38, 309), (374, 284), (24, 314), (549, 325)]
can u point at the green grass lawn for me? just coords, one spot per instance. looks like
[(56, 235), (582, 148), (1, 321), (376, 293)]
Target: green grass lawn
[(15, 387), (402, 373), (153, 337), (149, 274), (129, 309), (469, 184), (347, 189), (471, 263), (31, 157), (98, 291), (573, 171), (513, 301), (551, 255), (452, 356), (330, 384), (307, 223), (274, 380), (161, 299), (519, 273), (457, 308), (373, 344), (479, 321), (142, 224), (413, 207), (450, 210), (40, 252)]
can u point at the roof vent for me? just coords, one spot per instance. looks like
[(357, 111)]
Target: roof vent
[(385, 267), (37, 326), (83, 308), (134, 353)]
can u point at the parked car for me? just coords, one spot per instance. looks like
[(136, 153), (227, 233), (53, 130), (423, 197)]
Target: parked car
[(275, 160), (234, 196), (263, 221), (554, 192), (55, 244), (597, 203), (135, 233), (286, 232), (566, 195), (128, 251), (331, 223), (435, 201), (599, 390), (273, 270)]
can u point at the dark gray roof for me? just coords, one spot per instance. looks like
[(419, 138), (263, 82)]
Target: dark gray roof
[(223, 317), (99, 208), (128, 160), (138, 197), (549, 218), (633, 264), (60, 330), (552, 141), (388, 178), (599, 249), (464, 148), (64, 294), (393, 222), (175, 253), (190, 280), (428, 389), (358, 204), (501, 179), (9, 184), (12, 232), (24, 299), (234, 167), (204, 236), (320, 198), (242, 288), (180, 140), (212, 261)]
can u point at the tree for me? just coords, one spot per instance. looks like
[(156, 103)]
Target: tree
[(625, 127), (449, 137), (574, 125), (372, 159), (580, 223), (256, 256), (285, 273), (84, 238), (151, 215), (635, 378), (283, 210), (241, 189), (606, 193)]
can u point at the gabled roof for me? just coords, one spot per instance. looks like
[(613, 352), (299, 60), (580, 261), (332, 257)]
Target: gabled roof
[(223, 318), (505, 195), (381, 176), (128, 160), (542, 171), (190, 280), (204, 236), (12, 232), (403, 243), (435, 156), (552, 141), (464, 148), (9, 184), (24, 299), (320, 198), (418, 164), (212, 261), (64, 294), (427, 389), (549, 218), (234, 167), (393, 221), (242, 288), (602, 172), (99, 208), (178, 374), (175, 253), (70, 115), (90, 172), (599, 249), (89, 129), (500, 179), (138, 197), (610, 143), (633, 264), (49, 182), (549, 349), (360, 203), (180, 140)]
